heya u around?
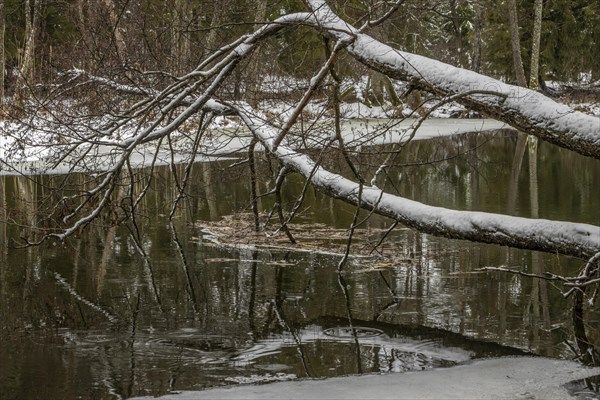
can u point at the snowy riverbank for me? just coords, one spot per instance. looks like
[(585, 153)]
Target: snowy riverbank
[(499, 378), (222, 142)]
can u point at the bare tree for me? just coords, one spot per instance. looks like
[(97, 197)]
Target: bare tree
[(186, 98), (26, 70), (117, 30), (515, 42)]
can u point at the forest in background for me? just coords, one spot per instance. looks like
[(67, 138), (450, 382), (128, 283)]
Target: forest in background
[(153, 39)]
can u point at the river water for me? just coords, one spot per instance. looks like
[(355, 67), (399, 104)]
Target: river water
[(94, 318)]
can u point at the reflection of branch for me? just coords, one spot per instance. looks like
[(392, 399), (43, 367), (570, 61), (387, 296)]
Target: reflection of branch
[(546, 276), (253, 190), (62, 282), (396, 300), (344, 286), (344, 259), (135, 237), (184, 266), (181, 186), (415, 126), (252, 299), (283, 172), (587, 353), (110, 379), (278, 309), (383, 237), (132, 339)]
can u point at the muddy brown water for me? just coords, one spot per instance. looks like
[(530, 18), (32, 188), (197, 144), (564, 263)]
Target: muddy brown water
[(93, 319)]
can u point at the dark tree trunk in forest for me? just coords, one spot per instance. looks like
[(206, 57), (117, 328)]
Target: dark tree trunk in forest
[(180, 45), (515, 41), (252, 75), (535, 45), (2, 59), (478, 45), (117, 29), (26, 72)]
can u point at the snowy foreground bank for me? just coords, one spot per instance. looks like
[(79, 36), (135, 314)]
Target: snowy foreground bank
[(499, 378)]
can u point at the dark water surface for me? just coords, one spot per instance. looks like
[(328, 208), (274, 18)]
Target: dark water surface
[(93, 319)]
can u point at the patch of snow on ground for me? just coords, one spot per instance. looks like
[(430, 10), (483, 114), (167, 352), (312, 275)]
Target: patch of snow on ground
[(223, 138), (497, 378)]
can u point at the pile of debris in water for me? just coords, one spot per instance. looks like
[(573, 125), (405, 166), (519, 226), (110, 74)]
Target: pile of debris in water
[(236, 231)]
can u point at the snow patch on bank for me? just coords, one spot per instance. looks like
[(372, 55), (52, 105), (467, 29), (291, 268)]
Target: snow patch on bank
[(499, 378), (34, 148)]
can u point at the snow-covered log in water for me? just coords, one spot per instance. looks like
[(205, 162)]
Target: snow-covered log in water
[(567, 238)]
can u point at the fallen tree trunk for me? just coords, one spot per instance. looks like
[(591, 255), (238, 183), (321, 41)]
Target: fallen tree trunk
[(574, 239)]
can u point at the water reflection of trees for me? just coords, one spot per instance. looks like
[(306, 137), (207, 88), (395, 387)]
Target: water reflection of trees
[(537, 311), (229, 300)]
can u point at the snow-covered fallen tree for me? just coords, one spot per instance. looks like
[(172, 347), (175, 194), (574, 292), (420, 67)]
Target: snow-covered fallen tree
[(551, 236), (195, 95)]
